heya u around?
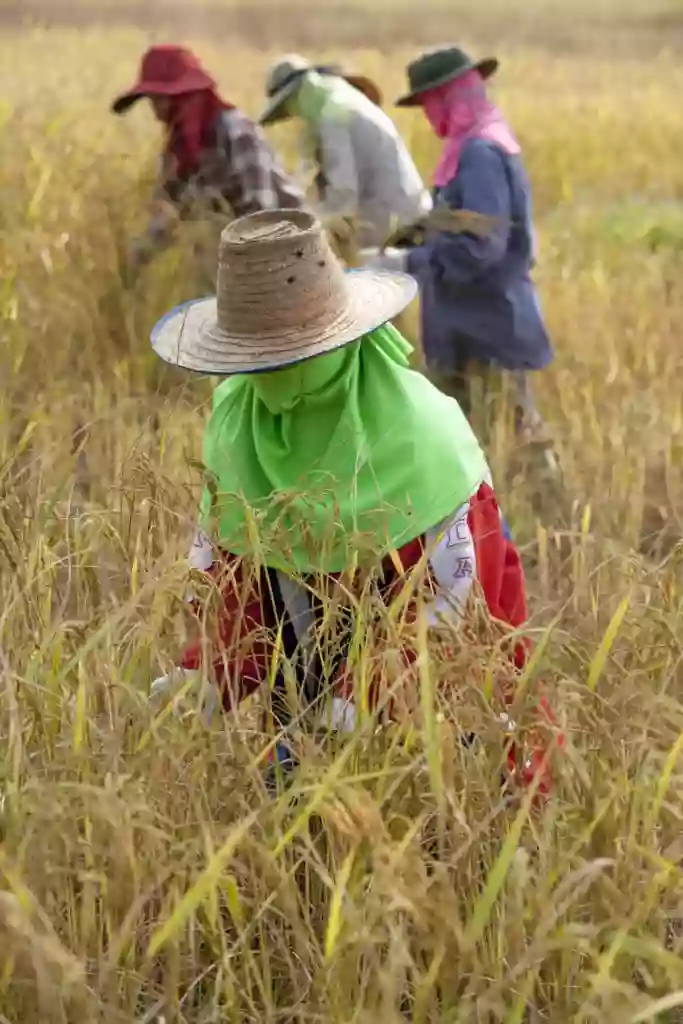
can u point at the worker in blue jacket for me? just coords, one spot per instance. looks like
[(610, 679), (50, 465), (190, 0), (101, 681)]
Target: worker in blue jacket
[(482, 326)]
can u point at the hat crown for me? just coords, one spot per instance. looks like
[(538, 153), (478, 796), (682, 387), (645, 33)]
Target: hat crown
[(278, 275), (284, 70), (282, 296), (167, 64), (436, 65)]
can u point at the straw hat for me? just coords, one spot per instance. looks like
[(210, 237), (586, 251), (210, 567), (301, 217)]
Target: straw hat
[(285, 76), (283, 297)]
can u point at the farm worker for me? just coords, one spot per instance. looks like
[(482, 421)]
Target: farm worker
[(214, 157), (480, 310), (329, 463), (364, 170)]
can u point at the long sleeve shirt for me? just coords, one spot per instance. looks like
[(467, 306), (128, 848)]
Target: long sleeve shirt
[(477, 297), (264, 610), (241, 174), (366, 170)]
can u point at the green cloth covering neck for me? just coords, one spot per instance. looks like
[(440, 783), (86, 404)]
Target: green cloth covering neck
[(322, 95), (330, 93), (341, 457)]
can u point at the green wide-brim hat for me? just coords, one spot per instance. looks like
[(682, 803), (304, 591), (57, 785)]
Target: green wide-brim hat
[(438, 67)]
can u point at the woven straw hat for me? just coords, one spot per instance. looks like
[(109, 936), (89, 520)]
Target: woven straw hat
[(283, 297)]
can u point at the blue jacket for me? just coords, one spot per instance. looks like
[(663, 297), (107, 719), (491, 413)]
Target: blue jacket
[(477, 297)]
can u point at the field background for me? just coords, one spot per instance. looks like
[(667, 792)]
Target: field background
[(144, 875)]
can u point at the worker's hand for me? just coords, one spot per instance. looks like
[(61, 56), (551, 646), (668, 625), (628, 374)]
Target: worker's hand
[(175, 684), (168, 685), (407, 236), (390, 259), (139, 253), (136, 256)]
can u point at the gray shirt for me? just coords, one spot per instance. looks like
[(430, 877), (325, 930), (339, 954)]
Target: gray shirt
[(367, 170)]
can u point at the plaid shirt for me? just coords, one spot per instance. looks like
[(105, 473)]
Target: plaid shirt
[(240, 175)]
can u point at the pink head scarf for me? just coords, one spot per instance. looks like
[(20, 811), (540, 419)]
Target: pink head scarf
[(459, 111)]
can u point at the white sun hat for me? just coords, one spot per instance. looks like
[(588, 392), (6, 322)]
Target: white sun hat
[(283, 296)]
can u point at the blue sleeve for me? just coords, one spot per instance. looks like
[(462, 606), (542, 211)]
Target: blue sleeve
[(482, 187)]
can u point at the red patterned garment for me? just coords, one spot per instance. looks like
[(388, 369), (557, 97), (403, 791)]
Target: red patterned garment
[(470, 547)]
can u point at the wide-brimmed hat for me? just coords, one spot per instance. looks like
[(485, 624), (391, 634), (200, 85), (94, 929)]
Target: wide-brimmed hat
[(437, 67), (283, 296), (284, 77), (165, 71)]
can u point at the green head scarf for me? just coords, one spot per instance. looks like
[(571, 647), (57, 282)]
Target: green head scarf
[(346, 454), (321, 96), (329, 93)]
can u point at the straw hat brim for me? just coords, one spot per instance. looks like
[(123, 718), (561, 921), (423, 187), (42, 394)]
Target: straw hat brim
[(274, 110), (189, 336), (366, 85)]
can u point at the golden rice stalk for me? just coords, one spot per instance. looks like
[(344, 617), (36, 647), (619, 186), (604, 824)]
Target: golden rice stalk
[(342, 233), (441, 219)]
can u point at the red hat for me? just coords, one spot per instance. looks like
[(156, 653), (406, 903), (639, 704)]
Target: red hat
[(165, 71)]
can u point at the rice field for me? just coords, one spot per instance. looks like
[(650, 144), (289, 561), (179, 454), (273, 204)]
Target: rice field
[(145, 874)]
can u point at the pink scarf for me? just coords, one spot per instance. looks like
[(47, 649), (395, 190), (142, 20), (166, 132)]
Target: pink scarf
[(459, 111)]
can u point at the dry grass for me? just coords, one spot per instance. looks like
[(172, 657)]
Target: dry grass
[(626, 27), (145, 875)]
